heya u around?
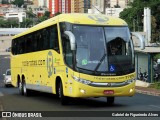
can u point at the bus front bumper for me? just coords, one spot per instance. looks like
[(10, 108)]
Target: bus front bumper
[(81, 90)]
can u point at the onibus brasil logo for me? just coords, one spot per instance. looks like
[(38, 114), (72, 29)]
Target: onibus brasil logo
[(50, 63)]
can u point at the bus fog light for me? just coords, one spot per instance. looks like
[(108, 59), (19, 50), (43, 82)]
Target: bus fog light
[(131, 90), (82, 91)]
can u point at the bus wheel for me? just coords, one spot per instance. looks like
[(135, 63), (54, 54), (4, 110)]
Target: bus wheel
[(110, 100), (26, 92), (64, 99), (20, 87)]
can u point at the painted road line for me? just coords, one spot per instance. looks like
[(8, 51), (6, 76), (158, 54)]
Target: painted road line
[(154, 106)]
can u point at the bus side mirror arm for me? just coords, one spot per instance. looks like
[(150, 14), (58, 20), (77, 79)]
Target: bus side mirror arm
[(140, 38), (72, 39)]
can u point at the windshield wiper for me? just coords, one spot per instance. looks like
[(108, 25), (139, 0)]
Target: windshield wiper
[(100, 62)]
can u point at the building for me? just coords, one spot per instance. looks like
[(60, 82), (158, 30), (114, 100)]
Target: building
[(112, 7), (146, 63), (42, 3), (80, 6), (59, 6), (4, 8), (12, 12), (39, 11), (16, 15), (35, 3)]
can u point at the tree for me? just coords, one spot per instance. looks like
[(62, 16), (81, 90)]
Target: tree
[(3, 23), (44, 17), (134, 16), (27, 22), (58, 13), (12, 23), (19, 3), (5, 2)]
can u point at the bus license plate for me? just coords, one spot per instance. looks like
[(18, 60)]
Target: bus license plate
[(108, 92)]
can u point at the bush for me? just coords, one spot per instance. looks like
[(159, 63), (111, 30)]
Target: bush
[(155, 85)]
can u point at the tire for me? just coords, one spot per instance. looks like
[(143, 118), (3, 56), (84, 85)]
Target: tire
[(64, 100), (20, 88), (26, 92), (110, 100)]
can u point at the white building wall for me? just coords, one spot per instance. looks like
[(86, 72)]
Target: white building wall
[(19, 15), (41, 2), (122, 3), (53, 7), (113, 11), (63, 6)]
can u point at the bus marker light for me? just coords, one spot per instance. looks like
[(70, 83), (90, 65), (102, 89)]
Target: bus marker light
[(108, 92)]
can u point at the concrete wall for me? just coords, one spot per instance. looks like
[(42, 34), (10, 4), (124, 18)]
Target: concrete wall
[(5, 42), (141, 62)]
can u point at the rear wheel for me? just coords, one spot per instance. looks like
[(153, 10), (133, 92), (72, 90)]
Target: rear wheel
[(20, 88), (64, 99), (26, 92), (110, 100)]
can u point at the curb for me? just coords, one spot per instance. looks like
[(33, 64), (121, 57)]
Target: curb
[(148, 92)]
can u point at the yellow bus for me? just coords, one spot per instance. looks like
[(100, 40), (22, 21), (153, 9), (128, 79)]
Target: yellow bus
[(75, 56)]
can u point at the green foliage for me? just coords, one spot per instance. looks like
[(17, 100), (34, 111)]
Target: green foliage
[(5, 2), (134, 16), (19, 3), (58, 13), (44, 17), (3, 23), (156, 56), (155, 85)]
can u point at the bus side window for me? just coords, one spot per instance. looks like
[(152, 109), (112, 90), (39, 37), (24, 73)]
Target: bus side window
[(54, 44), (14, 47), (34, 42), (46, 38), (28, 43), (39, 41), (67, 51)]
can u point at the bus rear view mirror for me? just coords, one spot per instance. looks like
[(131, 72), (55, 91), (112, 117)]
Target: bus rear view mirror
[(71, 39), (140, 38)]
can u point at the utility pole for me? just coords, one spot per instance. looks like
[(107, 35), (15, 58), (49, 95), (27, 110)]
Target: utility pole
[(104, 7)]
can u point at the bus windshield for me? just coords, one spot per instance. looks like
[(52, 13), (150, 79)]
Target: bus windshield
[(104, 50)]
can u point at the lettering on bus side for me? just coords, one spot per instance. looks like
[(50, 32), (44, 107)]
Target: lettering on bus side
[(33, 63), (116, 78)]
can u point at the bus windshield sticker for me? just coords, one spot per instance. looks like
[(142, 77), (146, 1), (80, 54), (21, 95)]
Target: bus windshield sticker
[(84, 62), (112, 68), (99, 18), (50, 63)]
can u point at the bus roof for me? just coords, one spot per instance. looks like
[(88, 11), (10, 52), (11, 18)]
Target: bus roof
[(78, 18)]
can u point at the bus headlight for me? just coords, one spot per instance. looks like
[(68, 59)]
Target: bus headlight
[(83, 81)]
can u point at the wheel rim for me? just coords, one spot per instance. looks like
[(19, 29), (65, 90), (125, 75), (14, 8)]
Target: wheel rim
[(20, 86), (24, 88), (59, 91)]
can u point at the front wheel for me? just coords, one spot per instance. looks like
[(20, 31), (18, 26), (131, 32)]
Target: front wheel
[(110, 100), (64, 99)]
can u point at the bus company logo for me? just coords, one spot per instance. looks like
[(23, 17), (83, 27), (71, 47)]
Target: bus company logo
[(98, 18), (50, 63)]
